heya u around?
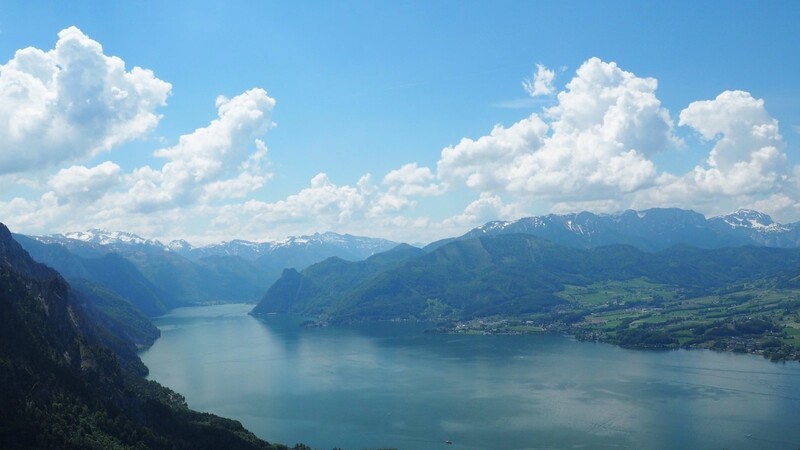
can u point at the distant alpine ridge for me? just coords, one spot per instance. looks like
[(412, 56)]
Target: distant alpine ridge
[(156, 278), (95, 241), (650, 230), (346, 246)]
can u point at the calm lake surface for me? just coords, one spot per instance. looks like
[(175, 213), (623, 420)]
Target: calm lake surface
[(391, 385)]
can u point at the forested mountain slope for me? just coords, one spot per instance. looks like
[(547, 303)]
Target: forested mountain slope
[(67, 381), (506, 274)]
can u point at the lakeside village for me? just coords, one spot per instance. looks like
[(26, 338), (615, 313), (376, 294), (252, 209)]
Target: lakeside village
[(640, 327)]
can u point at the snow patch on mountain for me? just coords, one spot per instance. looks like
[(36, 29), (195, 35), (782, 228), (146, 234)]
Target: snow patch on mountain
[(652, 229), (105, 240), (748, 218), (106, 237)]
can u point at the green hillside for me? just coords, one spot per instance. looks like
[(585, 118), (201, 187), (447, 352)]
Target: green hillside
[(520, 283), (506, 274)]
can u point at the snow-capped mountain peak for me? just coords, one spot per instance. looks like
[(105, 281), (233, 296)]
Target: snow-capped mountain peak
[(748, 218), (85, 236), (179, 245), (652, 229), (493, 226), (106, 237), (359, 247), (319, 245)]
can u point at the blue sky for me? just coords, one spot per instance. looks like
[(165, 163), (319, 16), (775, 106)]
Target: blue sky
[(362, 108)]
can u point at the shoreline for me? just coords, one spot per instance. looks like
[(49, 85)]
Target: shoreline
[(584, 332), (509, 327)]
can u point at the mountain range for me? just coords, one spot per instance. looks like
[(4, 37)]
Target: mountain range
[(504, 274), (312, 247), (650, 230), (513, 267), (156, 277)]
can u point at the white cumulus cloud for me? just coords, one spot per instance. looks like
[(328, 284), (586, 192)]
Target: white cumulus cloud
[(487, 163), (322, 205), (486, 208), (411, 179), (595, 142), (745, 134), (212, 166), (80, 183), (72, 102), (594, 150), (213, 162), (541, 83), (746, 163)]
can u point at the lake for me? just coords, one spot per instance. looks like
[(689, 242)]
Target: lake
[(391, 385)]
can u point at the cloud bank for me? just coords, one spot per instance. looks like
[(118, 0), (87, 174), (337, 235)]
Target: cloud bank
[(594, 143), (595, 148)]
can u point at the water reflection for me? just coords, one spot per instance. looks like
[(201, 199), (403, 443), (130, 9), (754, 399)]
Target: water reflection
[(392, 385)]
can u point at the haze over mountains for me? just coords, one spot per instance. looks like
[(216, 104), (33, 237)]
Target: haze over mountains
[(651, 229), (156, 277), (97, 241)]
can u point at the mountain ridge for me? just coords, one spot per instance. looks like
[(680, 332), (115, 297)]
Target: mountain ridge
[(156, 278), (98, 240), (652, 229), (649, 229), (506, 274)]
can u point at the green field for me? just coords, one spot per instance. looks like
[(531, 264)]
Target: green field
[(619, 292), (753, 318)]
